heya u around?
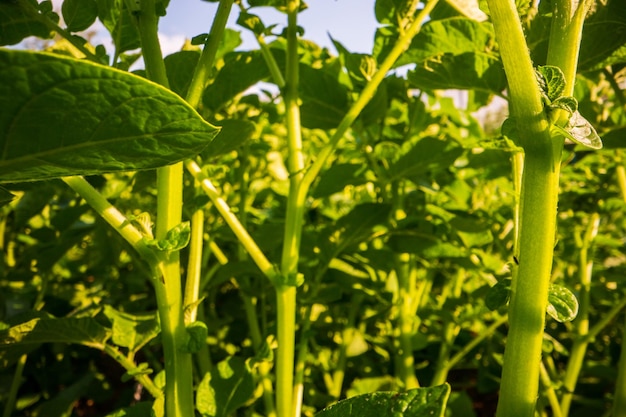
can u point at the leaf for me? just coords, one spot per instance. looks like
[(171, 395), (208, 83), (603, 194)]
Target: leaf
[(337, 177), (117, 19), (579, 130), (551, 81), (141, 409), (498, 295), (79, 14), (63, 116), (180, 67), (21, 20), (233, 134), (324, 99), (427, 154), (417, 402), (176, 238), (562, 304), (569, 104), (469, 8), (196, 334), (227, 387), (5, 196), (20, 338), (604, 36), (132, 331)]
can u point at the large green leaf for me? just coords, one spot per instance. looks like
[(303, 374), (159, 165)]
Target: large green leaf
[(63, 116), (324, 98), (26, 336), (417, 402), (20, 20), (132, 331), (604, 36)]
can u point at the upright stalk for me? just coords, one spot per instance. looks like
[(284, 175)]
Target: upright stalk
[(178, 366), (286, 291), (529, 291)]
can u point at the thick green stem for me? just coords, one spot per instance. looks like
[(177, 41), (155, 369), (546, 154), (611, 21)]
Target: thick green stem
[(178, 365), (529, 292), (286, 294), (405, 304)]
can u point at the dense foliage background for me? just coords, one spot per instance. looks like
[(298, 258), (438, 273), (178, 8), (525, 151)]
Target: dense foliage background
[(407, 227)]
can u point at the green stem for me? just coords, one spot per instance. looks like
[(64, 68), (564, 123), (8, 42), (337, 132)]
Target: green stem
[(117, 220), (178, 364), (130, 366), (286, 403), (619, 397), (405, 304), (579, 348), (539, 194), (205, 64), (549, 392), (11, 398), (233, 222)]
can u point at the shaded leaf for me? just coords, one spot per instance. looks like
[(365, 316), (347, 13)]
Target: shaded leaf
[(196, 334), (337, 177), (412, 403), (498, 295), (141, 409), (5, 196), (233, 134), (117, 19), (68, 117), (227, 387), (324, 99), (180, 67), (79, 14), (22, 337), (604, 36), (427, 154), (20, 20)]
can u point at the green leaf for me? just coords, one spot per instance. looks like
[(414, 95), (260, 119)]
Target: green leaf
[(5, 196), (604, 36), (227, 387), (469, 8), (20, 338), (498, 295), (63, 117), (569, 104), (20, 20), (79, 14), (562, 304), (196, 334), (324, 98), (551, 81), (417, 402), (233, 134), (175, 239), (427, 154), (141, 369), (117, 19), (180, 67), (339, 176), (579, 130), (132, 331), (141, 409)]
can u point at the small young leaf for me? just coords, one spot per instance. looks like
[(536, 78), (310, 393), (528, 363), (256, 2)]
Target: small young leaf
[(569, 104), (551, 80), (132, 331), (141, 369), (562, 304), (579, 130), (498, 295), (175, 239)]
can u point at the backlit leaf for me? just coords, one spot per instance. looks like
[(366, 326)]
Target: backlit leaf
[(63, 116), (175, 239), (417, 402), (562, 304), (579, 130)]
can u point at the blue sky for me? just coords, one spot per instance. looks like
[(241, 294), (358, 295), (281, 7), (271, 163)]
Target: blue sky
[(351, 22)]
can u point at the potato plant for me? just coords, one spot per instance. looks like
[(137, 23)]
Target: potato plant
[(179, 240)]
